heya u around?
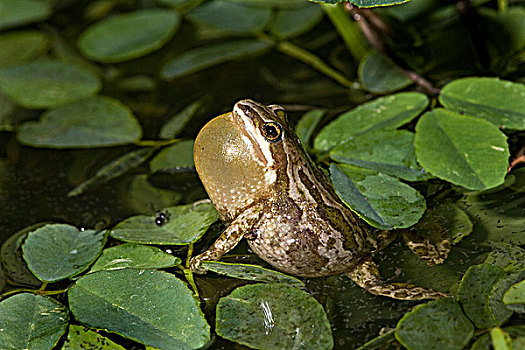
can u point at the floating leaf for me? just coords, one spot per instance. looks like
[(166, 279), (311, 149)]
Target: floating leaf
[(185, 224), (143, 197), (93, 122), (135, 256), (464, 150), (231, 17), (251, 273), (439, 324), (509, 257), (289, 23), (80, 337), (500, 339), (387, 151), (178, 155), (22, 46), (273, 316), (385, 113), (20, 12), (474, 291), (176, 123), (31, 321), (381, 200), (484, 342), (501, 102), (128, 36), (514, 298), (152, 307), (500, 311), (114, 169), (379, 75), (211, 55), (57, 251), (306, 125), (47, 83)]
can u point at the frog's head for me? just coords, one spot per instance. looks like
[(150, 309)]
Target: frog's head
[(239, 155)]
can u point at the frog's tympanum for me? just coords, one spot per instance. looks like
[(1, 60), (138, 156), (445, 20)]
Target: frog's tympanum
[(266, 187)]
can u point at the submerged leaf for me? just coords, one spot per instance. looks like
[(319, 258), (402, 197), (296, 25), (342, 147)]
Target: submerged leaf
[(379, 75), (152, 307), (176, 123), (57, 251), (80, 337), (273, 316), (176, 156)]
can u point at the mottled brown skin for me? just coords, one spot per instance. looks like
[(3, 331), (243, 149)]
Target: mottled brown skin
[(265, 186)]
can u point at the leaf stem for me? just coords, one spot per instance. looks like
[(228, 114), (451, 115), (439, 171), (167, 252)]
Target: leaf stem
[(314, 61), (502, 5)]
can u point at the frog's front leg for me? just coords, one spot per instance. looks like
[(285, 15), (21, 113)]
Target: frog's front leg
[(233, 234), (367, 277)]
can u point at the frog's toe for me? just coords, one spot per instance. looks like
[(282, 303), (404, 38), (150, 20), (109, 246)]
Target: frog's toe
[(196, 265), (367, 276)]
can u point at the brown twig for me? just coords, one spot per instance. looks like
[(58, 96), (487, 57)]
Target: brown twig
[(519, 159)]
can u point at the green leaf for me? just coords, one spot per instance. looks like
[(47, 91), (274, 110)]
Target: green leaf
[(20, 12), (177, 123), (461, 149), (31, 321), (484, 342), (251, 273), (474, 291), (22, 46), (514, 298), (439, 324), (185, 224), (57, 251), (381, 200), (273, 316), (500, 339), (177, 4), (176, 156), (134, 256), (379, 342), (80, 337), (211, 55), (385, 113), (47, 83), (509, 257), (386, 151), (271, 3), (501, 102), (143, 197), (128, 36), (306, 125), (114, 169), (379, 75), (231, 17), (92, 122), (152, 307), (499, 310), (365, 3), (289, 23)]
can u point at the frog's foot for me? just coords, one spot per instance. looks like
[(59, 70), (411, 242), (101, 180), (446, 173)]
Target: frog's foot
[(433, 247), (367, 277), (196, 263)]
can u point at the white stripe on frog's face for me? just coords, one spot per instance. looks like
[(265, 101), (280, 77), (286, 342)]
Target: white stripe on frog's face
[(253, 115)]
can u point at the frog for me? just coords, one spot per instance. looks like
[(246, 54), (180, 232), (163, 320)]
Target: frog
[(268, 190)]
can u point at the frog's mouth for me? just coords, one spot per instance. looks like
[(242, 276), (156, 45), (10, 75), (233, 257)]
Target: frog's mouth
[(247, 117)]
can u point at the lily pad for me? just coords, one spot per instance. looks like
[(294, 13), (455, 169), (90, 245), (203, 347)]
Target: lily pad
[(211, 55), (178, 155), (92, 122), (501, 102), (381, 200), (128, 36), (510, 258), (152, 307), (47, 83), (389, 152), (439, 325), (185, 224), (251, 273), (80, 337), (58, 251), (20, 12), (474, 291), (461, 149), (31, 321), (22, 46), (231, 17), (385, 113), (514, 298), (135, 256), (379, 75), (273, 316)]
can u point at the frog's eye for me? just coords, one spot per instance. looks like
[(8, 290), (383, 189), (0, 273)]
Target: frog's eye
[(272, 131)]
